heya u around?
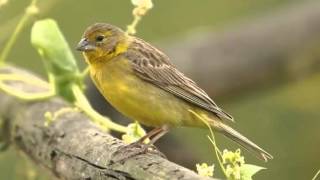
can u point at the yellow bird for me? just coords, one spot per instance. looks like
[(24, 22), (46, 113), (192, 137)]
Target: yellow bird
[(140, 81)]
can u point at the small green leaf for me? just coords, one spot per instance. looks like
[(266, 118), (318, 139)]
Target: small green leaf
[(134, 132), (248, 170), (61, 65), (50, 42)]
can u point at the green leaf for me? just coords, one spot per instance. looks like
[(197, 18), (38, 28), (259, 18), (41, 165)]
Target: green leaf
[(50, 42), (248, 170), (61, 65), (134, 132)]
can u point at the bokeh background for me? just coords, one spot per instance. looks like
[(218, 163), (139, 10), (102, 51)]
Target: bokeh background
[(259, 60)]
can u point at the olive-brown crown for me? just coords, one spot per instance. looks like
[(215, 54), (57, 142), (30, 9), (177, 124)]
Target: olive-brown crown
[(100, 39)]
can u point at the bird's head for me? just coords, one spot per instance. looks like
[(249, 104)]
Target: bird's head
[(102, 40)]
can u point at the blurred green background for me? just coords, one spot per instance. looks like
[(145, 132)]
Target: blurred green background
[(282, 115)]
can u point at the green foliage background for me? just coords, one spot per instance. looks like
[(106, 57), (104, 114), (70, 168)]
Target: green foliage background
[(284, 119)]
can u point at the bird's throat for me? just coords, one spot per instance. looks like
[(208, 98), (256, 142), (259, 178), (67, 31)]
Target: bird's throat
[(101, 55)]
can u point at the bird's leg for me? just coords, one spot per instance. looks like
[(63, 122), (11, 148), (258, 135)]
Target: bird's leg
[(153, 133), (156, 136), (139, 147)]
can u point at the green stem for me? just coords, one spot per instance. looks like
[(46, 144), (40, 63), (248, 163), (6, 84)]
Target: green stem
[(26, 96), (8, 46), (131, 29), (217, 150), (213, 141), (218, 154), (12, 40), (84, 73), (29, 80), (83, 103), (317, 174)]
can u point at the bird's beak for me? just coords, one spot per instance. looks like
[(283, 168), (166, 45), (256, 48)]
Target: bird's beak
[(84, 45)]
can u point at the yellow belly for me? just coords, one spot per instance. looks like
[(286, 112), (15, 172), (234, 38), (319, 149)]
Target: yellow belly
[(138, 99)]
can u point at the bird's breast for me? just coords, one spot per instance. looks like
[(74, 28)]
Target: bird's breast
[(136, 98)]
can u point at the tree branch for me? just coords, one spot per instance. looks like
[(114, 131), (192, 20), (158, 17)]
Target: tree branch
[(71, 147)]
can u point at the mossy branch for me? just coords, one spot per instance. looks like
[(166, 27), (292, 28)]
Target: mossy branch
[(71, 146)]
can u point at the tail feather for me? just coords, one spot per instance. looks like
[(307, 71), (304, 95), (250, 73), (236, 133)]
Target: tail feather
[(243, 141)]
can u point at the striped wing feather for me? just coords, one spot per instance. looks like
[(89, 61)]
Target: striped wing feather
[(154, 66)]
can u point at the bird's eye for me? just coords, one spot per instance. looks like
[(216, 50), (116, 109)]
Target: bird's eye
[(99, 38)]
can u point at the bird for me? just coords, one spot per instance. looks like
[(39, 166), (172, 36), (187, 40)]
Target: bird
[(140, 82)]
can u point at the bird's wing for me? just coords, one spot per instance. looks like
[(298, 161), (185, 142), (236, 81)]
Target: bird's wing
[(154, 66)]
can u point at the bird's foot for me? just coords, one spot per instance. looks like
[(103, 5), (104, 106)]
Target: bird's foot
[(134, 149)]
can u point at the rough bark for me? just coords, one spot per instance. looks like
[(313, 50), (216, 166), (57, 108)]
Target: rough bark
[(71, 147)]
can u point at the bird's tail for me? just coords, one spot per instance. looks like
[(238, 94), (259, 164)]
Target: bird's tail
[(243, 141)]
